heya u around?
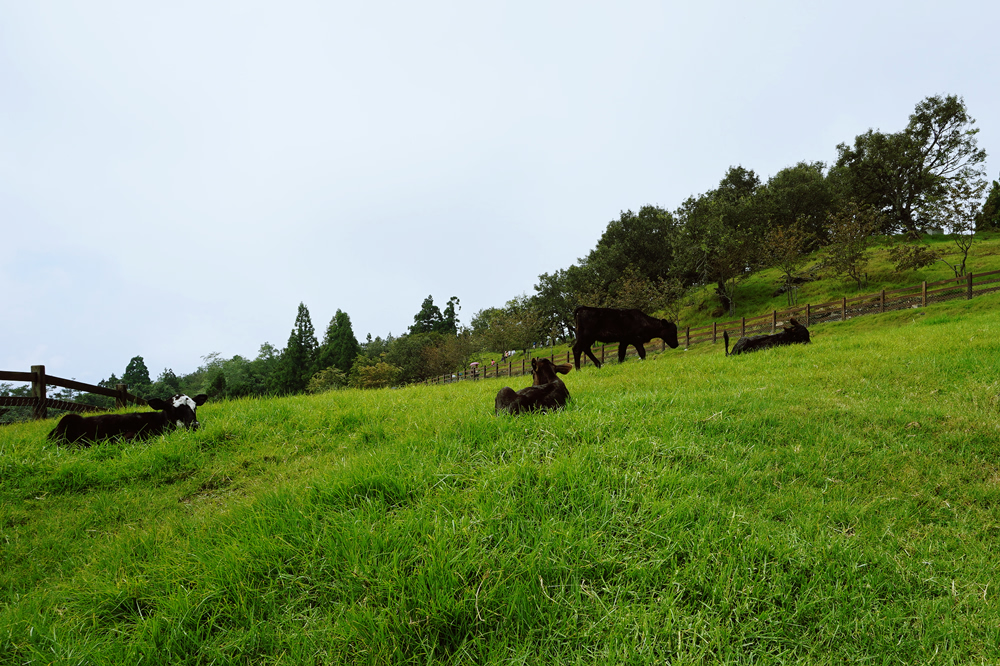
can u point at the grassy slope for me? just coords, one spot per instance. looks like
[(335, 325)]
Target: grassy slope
[(758, 296), (830, 503)]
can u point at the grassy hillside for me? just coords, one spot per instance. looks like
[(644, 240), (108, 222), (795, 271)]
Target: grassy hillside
[(758, 295), (831, 503)]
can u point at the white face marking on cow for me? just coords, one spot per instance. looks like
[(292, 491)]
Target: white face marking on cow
[(184, 400), (183, 411)]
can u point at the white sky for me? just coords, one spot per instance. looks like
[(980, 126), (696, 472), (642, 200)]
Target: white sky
[(176, 177)]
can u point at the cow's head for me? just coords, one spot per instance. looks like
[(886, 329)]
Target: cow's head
[(544, 371), (796, 332), (180, 409), (668, 333)]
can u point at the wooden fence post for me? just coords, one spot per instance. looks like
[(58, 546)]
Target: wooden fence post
[(923, 294), (881, 307), (40, 410), (843, 309), (808, 312), (743, 327), (774, 321), (120, 400), (968, 287), (687, 338), (602, 354), (715, 331)]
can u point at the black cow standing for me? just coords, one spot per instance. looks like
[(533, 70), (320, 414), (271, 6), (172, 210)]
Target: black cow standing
[(791, 334), (176, 412), (628, 327), (546, 392)]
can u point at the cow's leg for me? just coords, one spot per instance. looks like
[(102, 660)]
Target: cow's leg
[(590, 353), (642, 351), (622, 351), (579, 349)]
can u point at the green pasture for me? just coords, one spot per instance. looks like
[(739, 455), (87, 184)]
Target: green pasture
[(759, 294), (830, 503)]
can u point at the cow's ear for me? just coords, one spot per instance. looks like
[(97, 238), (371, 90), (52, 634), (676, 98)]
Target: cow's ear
[(534, 363), (156, 403), (200, 399), (564, 368)]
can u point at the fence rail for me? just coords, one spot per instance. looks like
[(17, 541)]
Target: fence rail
[(919, 295), (40, 402)]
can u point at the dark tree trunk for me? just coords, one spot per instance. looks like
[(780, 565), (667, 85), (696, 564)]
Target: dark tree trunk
[(720, 290)]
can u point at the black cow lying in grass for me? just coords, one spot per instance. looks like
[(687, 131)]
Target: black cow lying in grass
[(546, 392), (177, 412), (791, 334)]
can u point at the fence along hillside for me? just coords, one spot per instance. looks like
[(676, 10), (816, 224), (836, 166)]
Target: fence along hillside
[(916, 296), (41, 403)]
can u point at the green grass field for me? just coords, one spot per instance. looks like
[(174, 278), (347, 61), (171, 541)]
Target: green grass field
[(824, 504)]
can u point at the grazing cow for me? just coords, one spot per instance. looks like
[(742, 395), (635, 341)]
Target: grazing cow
[(628, 327), (546, 392), (177, 412), (791, 334)]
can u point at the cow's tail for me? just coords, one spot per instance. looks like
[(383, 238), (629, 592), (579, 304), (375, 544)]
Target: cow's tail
[(725, 335)]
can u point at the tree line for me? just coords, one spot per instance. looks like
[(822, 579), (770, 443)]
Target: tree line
[(434, 344), (888, 186)]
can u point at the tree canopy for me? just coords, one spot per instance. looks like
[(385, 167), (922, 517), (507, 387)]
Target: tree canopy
[(904, 174)]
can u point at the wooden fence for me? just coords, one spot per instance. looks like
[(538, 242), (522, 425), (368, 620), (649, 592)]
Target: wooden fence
[(919, 295), (40, 402)]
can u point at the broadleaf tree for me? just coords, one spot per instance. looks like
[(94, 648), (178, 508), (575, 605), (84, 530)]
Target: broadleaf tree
[(904, 174)]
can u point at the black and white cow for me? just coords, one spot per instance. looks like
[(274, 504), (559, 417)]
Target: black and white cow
[(546, 392), (628, 327), (791, 334), (175, 412)]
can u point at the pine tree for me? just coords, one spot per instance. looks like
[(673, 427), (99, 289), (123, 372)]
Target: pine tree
[(428, 319), (340, 347), (137, 377), (449, 321), (298, 361)]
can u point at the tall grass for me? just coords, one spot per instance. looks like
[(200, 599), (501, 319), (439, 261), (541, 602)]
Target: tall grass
[(830, 503)]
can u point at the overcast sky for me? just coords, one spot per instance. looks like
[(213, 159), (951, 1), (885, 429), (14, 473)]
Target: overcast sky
[(176, 177)]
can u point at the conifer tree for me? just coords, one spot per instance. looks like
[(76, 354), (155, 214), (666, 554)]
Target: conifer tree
[(449, 320), (428, 319), (298, 361), (340, 347), (137, 377)]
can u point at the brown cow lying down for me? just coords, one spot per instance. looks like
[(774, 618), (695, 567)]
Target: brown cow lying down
[(176, 412), (791, 334), (546, 392)]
